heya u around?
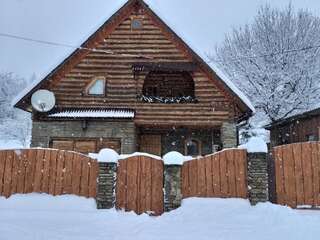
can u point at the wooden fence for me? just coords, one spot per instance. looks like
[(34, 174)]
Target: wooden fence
[(139, 185), (223, 174), (49, 171), (297, 174)]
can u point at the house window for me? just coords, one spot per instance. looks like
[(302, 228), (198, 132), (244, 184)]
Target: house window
[(97, 87), (311, 137), (192, 147), (136, 24)]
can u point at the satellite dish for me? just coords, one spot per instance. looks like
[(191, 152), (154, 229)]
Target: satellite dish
[(43, 100)]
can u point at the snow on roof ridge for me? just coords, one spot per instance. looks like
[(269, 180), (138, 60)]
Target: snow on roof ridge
[(103, 113)]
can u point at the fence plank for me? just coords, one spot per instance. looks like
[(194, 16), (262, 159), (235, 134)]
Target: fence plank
[(15, 170), (53, 171), (201, 187), (289, 177), (279, 175), (209, 175), (30, 169), (297, 158), (84, 191), (315, 173), (185, 180), (8, 174), (60, 174), (216, 175), (2, 170), (157, 186), (148, 184), (94, 169), (142, 184), (46, 171), (67, 179), (76, 174), (22, 170), (193, 177), (231, 173), (307, 173), (132, 188), (121, 187), (38, 176), (223, 174), (241, 176)]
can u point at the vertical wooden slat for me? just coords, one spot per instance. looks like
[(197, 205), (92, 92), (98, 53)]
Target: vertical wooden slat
[(201, 187), (185, 180), (241, 177), (46, 171), (121, 185), (94, 168), (157, 186), (208, 172), (53, 171), (297, 157), (231, 173), (138, 200), (8, 174), (193, 177), (84, 190), (22, 170), (30, 170), (2, 170), (38, 176), (289, 177), (315, 173), (318, 157), (307, 173), (132, 178), (76, 174), (216, 175), (142, 184), (279, 175), (223, 174), (60, 173), (67, 179), (15, 170), (148, 184)]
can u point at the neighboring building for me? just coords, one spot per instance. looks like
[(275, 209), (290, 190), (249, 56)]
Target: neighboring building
[(142, 89), (298, 128)]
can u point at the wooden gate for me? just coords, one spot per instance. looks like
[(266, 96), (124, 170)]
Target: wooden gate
[(139, 185), (223, 174), (49, 171), (297, 174)]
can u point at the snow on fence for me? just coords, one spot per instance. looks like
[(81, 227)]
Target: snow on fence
[(49, 171), (297, 174), (223, 174)]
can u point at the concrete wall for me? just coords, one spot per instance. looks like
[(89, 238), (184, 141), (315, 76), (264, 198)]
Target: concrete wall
[(44, 131)]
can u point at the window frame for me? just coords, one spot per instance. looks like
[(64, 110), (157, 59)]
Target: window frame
[(136, 19), (92, 82), (199, 144)]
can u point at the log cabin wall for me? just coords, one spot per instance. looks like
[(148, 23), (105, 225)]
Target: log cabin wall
[(123, 86), (300, 130)]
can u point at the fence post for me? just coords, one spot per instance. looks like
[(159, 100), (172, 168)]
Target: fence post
[(258, 178), (172, 187), (106, 185)]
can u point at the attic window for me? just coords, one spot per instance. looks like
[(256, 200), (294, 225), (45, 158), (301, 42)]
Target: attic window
[(97, 87), (136, 23)]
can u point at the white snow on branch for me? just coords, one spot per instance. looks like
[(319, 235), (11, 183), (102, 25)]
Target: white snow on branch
[(94, 114)]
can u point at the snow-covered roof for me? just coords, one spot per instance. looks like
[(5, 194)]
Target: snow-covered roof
[(106, 113), (189, 40)]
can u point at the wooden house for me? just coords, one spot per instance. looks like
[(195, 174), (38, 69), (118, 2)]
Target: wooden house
[(135, 85), (302, 127)]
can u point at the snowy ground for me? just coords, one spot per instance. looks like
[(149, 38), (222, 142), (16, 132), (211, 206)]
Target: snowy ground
[(38, 216)]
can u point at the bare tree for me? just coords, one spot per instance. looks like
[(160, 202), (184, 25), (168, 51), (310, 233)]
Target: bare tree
[(275, 60), (14, 123)]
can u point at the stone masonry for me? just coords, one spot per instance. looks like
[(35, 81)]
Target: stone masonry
[(44, 131), (106, 185), (257, 177), (172, 187), (229, 135)]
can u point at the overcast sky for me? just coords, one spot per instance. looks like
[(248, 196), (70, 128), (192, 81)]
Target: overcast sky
[(202, 23)]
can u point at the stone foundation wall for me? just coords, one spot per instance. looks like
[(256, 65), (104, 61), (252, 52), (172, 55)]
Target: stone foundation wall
[(44, 131), (172, 187), (229, 135)]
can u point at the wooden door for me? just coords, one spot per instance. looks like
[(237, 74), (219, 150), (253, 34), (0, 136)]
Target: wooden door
[(150, 144), (85, 147), (62, 145)]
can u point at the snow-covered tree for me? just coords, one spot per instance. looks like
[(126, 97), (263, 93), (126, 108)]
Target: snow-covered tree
[(275, 60), (14, 123)]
